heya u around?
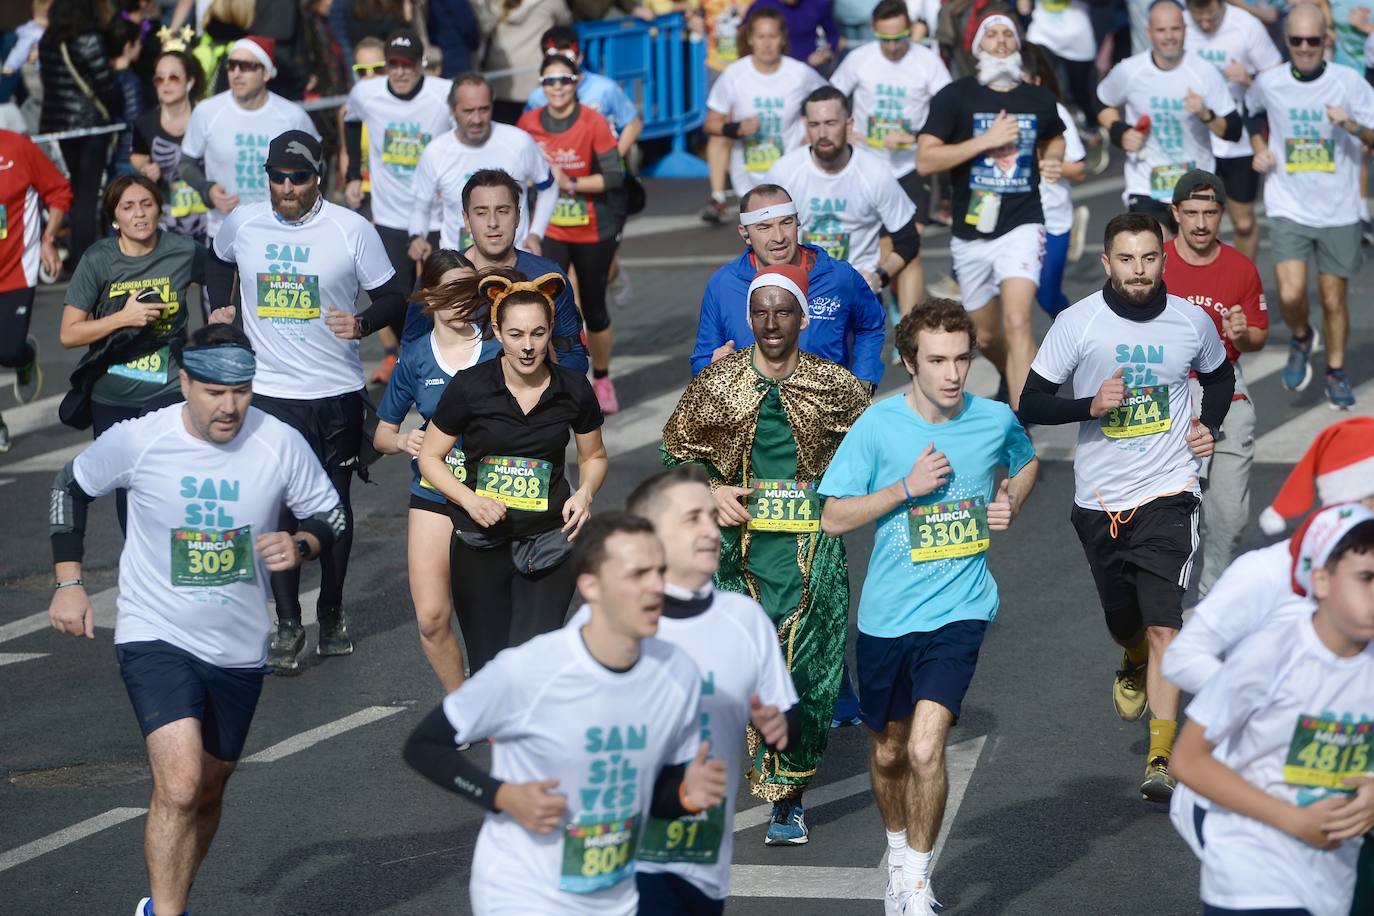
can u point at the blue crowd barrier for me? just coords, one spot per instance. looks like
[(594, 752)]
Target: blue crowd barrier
[(662, 67)]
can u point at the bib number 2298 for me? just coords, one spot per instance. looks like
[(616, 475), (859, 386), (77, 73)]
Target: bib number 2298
[(519, 483)]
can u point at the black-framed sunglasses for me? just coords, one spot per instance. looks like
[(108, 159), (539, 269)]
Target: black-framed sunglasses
[(251, 66), (557, 80), (1312, 41), (298, 178)]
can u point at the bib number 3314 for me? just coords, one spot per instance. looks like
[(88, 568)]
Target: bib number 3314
[(784, 505)]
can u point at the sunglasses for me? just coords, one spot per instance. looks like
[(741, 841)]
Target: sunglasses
[(561, 80), (899, 36), (1312, 41), (251, 66), (368, 69), (298, 178), (171, 79)]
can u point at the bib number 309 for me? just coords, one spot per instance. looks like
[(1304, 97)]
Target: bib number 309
[(209, 559)]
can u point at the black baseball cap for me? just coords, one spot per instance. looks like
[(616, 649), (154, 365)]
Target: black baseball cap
[(295, 151), (1199, 184), (404, 45)]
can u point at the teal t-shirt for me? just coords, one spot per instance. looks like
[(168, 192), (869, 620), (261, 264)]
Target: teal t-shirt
[(947, 579), (106, 276)]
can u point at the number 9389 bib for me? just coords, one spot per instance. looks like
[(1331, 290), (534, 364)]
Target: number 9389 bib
[(519, 483), (598, 855)]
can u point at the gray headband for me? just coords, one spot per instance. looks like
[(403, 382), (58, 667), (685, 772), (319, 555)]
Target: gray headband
[(226, 364)]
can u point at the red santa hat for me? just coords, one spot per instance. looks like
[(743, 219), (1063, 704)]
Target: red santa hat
[(784, 276), (1313, 542), (261, 47), (1338, 467)]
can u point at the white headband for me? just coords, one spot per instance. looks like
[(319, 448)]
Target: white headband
[(994, 19), (763, 281), (787, 208)]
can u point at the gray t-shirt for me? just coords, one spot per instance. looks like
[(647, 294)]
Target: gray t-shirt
[(106, 276)]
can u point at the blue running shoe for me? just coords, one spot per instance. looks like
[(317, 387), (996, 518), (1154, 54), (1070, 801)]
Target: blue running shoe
[(1297, 373), (145, 907), (846, 703), (1338, 393), (788, 825)]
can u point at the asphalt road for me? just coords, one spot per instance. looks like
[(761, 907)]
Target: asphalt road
[(324, 817)]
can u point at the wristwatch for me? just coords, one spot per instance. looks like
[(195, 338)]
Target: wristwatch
[(303, 548), (363, 325), (884, 278)]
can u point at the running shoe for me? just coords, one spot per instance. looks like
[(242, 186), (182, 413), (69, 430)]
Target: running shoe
[(5, 443), (1297, 373), (946, 288), (787, 826), (620, 288), (716, 212), (28, 380), (384, 370), (605, 395), (1078, 234), (145, 907), (1096, 155), (1158, 785), (1338, 393), (1128, 690), (333, 633), (287, 644), (918, 902)]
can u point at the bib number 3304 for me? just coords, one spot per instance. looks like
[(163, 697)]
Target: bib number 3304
[(949, 530)]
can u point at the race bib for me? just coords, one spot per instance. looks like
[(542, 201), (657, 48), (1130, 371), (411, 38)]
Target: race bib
[(983, 210), (784, 505), (454, 460), (519, 483), (4, 223), (948, 530), (1164, 177), (402, 149), (598, 855), (761, 151), (150, 368), (835, 244), (208, 559), (464, 239), (571, 210), (1054, 6), (879, 128), (1325, 751), (695, 838), (291, 296), (186, 200), (1309, 154), (1144, 413), (727, 48)]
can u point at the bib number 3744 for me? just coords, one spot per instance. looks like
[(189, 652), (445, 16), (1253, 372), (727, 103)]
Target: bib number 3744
[(598, 855), (1145, 412)]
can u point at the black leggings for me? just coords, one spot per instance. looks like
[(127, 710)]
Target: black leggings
[(593, 263), (1080, 86), (16, 308), (500, 606), (103, 416), (286, 586), (86, 158)]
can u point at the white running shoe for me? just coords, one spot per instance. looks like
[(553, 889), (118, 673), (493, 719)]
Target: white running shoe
[(1078, 234), (892, 897), (144, 907), (918, 902)]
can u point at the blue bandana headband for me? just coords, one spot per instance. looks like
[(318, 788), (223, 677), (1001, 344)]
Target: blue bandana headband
[(226, 364)]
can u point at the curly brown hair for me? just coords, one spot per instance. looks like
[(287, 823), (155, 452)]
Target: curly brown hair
[(932, 315)]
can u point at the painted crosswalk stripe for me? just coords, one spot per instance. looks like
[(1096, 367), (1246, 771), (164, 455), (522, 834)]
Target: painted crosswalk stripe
[(307, 739), (68, 835)]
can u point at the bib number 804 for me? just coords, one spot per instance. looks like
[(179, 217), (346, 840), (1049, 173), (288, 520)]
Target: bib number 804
[(605, 860)]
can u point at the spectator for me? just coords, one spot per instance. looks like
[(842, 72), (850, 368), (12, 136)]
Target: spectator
[(855, 20), (122, 46), (453, 29), (18, 74), (328, 71), (79, 91), (514, 28), (284, 21), (226, 22), (377, 18), (590, 10), (179, 83), (803, 18), (145, 16), (369, 62)]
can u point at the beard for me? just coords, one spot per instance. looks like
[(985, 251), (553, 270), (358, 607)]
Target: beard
[(298, 206), (999, 72), (830, 154), (1137, 293)]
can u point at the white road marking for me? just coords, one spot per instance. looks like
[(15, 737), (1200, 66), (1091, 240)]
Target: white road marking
[(27, 418), (1285, 443), (306, 739), (6, 480), (52, 461), (68, 835), (10, 658)]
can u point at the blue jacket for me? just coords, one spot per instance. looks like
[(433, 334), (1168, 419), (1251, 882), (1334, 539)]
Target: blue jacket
[(847, 324), (454, 30)]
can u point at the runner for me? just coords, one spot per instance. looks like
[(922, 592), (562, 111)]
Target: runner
[(1312, 195), (1137, 463), (298, 319), (601, 94), (126, 305), (847, 194), (923, 467), (1064, 30), (765, 420), (515, 511), (589, 215), (26, 178), (1164, 107), (448, 288), (1234, 41), (491, 202), (996, 135), (1225, 284), (1278, 738), (891, 81), (846, 325), (179, 84), (562, 711), (209, 477), (755, 106), (454, 157)]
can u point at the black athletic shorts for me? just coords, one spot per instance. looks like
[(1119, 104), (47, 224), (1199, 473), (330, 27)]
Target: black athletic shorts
[(666, 894), (166, 683), (333, 427), (917, 187), (1240, 178), (895, 673), (429, 505), (1159, 540), (1144, 203)]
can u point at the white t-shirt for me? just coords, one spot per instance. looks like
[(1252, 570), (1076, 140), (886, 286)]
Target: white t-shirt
[(742, 92), (1240, 37), (398, 130), (1276, 691), (1056, 197), (888, 96), (447, 164), (1316, 176), (189, 574), (233, 142), (843, 212), (290, 276), (1178, 141), (1137, 451), (554, 712), (1064, 28)]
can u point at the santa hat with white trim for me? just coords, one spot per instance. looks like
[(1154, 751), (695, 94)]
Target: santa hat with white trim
[(1338, 467), (1317, 537), (261, 47)]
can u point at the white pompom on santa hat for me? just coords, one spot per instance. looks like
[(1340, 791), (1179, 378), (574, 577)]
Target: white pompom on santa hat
[(1338, 467)]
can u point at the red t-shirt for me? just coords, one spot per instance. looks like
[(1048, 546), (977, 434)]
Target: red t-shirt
[(26, 176), (577, 218), (1228, 281)]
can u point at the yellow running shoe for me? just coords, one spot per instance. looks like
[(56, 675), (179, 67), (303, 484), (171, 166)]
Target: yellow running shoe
[(1128, 690), (1158, 785)]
